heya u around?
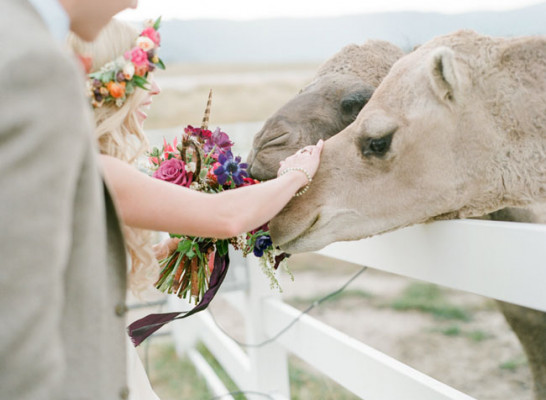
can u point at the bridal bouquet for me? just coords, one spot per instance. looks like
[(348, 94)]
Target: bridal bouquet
[(202, 160)]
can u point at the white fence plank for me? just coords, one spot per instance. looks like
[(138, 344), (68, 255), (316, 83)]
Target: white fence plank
[(359, 368), (269, 363), (502, 260)]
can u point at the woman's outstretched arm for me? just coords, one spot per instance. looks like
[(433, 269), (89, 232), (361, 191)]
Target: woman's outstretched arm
[(150, 203)]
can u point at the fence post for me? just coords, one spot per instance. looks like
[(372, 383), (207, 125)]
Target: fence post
[(268, 363)]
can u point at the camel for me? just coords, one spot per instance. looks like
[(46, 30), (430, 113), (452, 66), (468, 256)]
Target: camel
[(333, 99), (455, 130)]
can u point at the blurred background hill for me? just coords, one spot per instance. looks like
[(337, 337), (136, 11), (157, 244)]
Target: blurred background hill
[(289, 40), (255, 66)]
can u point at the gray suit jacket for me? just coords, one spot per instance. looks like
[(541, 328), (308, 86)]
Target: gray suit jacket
[(62, 259)]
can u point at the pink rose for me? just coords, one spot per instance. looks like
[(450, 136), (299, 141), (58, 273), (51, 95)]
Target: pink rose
[(174, 171), (137, 56), (151, 33)]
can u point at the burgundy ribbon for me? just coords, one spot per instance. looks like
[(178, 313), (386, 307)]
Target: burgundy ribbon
[(144, 327)]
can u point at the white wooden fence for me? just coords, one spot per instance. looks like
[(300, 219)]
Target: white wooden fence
[(501, 260)]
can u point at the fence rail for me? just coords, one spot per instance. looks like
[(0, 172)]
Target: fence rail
[(501, 260), (496, 259)]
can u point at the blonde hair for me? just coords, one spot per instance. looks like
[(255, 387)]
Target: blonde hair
[(119, 134)]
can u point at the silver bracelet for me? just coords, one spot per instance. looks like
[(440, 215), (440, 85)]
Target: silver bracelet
[(307, 174)]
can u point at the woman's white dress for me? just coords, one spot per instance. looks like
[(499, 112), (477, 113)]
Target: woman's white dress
[(139, 384)]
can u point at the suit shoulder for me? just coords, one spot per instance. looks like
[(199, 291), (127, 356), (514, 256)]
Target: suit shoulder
[(22, 32)]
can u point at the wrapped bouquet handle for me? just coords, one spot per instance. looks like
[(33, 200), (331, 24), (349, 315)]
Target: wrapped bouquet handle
[(144, 327)]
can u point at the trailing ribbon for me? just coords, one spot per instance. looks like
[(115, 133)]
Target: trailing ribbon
[(144, 327)]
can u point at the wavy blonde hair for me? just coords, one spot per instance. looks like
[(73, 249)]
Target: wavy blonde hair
[(119, 134)]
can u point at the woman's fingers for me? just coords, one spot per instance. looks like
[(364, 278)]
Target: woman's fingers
[(165, 248), (307, 158)]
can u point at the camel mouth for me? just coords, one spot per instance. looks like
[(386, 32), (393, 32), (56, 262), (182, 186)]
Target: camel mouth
[(282, 237), (259, 171), (318, 233)]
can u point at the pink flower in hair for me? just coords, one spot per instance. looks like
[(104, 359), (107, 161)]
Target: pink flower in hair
[(151, 33), (137, 56)]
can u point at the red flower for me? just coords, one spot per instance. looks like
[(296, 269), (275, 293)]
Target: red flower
[(169, 149), (198, 132), (210, 173), (247, 181), (264, 227)]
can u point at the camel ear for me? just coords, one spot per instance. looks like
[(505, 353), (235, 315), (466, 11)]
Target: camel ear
[(443, 73)]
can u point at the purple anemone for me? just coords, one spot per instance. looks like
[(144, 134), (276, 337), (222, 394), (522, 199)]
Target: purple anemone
[(230, 168)]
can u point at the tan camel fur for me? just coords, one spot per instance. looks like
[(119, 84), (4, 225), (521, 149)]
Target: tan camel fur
[(456, 129), (339, 90)]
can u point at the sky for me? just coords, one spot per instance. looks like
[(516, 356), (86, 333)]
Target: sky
[(255, 9)]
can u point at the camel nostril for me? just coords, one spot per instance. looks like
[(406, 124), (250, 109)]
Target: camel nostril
[(317, 218)]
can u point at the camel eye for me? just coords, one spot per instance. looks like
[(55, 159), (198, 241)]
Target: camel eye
[(377, 146), (352, 103)]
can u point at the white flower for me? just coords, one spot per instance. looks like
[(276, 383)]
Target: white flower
[(194, 186), (89, 87), (129, 70), (145, 43), (120, 62), (108, 66), (190, 167)]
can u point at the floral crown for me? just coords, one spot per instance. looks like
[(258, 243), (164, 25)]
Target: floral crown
[(119, 78)]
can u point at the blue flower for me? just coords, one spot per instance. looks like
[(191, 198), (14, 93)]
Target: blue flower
[(261, 244), (230, 168)]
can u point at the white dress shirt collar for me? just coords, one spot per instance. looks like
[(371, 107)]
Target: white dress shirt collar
[(55, 17)]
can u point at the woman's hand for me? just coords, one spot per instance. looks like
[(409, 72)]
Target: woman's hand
[(307, 159), (165, 248)]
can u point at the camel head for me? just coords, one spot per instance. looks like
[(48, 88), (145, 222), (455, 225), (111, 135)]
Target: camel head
[(341, 87), (427, 146)]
